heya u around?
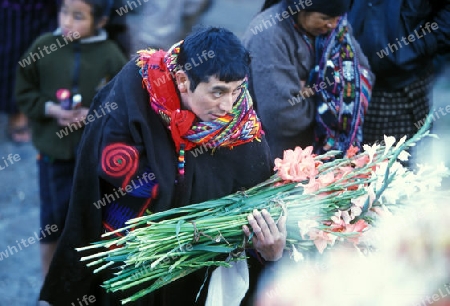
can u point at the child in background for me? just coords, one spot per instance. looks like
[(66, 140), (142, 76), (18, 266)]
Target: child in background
[(79, 59)]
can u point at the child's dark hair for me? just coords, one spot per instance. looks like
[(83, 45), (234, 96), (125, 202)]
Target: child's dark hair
[(227, 59), (100, 8)]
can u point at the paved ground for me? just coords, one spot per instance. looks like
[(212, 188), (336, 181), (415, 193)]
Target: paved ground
[(19, 212)]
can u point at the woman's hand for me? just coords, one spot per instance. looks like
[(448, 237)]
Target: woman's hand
[(269, 238), (306, 92)]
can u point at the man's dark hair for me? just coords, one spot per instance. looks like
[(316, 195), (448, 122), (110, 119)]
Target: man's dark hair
[(227, 59)]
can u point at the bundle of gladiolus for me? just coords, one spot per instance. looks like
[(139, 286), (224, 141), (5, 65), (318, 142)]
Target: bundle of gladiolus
[(327, 201)]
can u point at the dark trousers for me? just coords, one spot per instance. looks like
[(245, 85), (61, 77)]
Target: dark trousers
[(55, 186)]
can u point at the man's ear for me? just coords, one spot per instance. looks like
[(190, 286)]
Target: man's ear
[(182, 81), (102, 22)]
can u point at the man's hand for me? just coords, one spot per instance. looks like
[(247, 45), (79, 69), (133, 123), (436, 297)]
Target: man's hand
[(269, 239)]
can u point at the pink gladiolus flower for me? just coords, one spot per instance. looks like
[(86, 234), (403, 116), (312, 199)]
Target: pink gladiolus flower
[(321, 239), (297, 165), (357, 228), (345, 170), (341, 218), (327, 179), (340, 223), (361, 161), (352, 151), (312, 186), (316, 184)]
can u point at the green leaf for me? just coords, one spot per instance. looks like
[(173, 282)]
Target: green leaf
[(212, 248), (178, 231)]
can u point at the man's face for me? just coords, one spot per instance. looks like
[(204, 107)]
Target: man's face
[(210, 100)]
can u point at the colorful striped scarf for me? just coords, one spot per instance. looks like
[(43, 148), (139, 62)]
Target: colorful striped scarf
[(239, 126), (343, 99)]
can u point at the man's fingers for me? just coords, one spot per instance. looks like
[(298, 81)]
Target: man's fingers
[(255, 225), (263, 225), (270, 222), (261, 219), (246, 230), (269, 236), (282, 224)]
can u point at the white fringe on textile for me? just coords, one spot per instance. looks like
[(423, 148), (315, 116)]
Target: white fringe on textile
[(228, 285)]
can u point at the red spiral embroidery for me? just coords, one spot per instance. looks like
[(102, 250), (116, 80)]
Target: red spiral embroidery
[(120, 160)]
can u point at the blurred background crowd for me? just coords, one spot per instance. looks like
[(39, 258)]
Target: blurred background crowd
[(133, 25)]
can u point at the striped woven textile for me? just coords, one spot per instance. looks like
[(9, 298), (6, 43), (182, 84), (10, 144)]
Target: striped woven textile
[(21, 22), (398, 113)]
